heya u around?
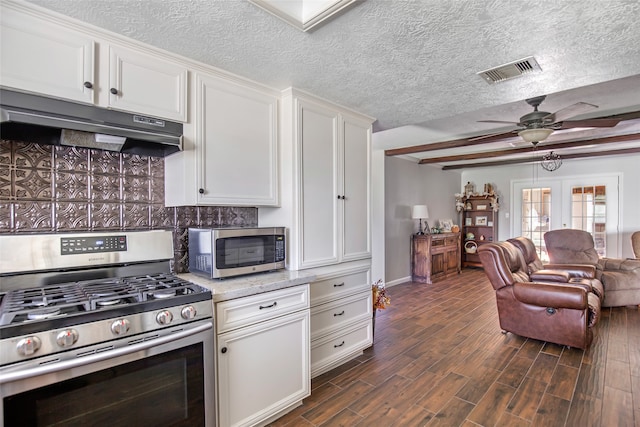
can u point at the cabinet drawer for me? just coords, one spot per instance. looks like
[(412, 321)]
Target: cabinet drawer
[(246, 311), (451, 241), (323, 291), (330, 350), (330, 317)]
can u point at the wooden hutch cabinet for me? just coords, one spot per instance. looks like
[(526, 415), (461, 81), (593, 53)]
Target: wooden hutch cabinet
[(479, 226), (434, 256)]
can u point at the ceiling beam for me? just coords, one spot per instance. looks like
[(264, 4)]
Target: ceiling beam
[(456, 143), (471, 141), (528, 149), (537, 159)]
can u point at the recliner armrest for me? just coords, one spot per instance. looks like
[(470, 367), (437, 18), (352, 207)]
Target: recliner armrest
[(551, 295), (550, 275), (619, 264), (575, 270)]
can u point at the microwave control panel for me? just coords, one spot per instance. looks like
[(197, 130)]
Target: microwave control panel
[(279, 255)]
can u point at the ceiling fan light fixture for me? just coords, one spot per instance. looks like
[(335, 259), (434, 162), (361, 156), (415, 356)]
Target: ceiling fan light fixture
[(551, 162), (535, 135)]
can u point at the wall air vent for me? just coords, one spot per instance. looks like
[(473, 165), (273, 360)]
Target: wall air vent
[(510, 71)]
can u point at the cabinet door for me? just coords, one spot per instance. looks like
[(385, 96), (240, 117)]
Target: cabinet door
[(263, 369), (318, 133), (356, 232), (38, 56), (146, 84), (236, 132)]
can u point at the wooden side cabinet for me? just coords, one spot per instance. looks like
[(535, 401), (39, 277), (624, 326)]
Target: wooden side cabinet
[(434, 256)]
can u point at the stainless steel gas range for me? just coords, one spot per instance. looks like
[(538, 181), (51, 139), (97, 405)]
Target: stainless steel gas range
[(95, 329)]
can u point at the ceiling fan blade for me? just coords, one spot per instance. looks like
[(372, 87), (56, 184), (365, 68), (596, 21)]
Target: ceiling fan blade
[(497, 121), (590, 123), (568, 112)]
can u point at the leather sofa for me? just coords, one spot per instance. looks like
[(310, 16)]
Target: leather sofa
[(560, 313), (620, 277)]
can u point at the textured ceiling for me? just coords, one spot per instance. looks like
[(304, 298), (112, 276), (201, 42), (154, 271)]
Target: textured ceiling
[(410, 64)]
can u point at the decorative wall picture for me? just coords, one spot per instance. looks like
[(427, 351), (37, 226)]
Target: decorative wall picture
[(481, 220), (468, 221), (446, 224)]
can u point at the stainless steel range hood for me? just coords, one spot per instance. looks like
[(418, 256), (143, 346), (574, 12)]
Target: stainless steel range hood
[(33, 118)]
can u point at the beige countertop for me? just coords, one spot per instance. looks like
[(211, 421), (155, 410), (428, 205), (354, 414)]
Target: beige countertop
[(242, 286)]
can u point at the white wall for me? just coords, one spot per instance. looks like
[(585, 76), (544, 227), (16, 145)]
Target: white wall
[(406, 184), (628, 166), (378, 264)]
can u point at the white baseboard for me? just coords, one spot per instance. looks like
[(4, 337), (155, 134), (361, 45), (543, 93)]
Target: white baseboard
[(398, 281)]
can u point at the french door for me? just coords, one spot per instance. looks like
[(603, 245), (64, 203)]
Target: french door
[(591, 204), (587, 203)]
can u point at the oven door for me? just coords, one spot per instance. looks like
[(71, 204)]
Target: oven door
[(166, 381)]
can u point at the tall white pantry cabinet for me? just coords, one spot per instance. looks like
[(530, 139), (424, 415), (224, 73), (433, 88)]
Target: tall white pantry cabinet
[(326, 206)]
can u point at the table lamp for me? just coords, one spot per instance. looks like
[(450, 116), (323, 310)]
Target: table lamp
[(421, 212)]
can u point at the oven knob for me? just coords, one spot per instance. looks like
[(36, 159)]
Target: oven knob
[(164, 317), (67, 338), (120, 326), (29, 345), (188, 312)]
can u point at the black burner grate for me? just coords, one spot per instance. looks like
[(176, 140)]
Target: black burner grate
[(30, 304)]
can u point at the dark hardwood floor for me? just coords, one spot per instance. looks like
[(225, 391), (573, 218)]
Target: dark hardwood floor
[(439, 359)]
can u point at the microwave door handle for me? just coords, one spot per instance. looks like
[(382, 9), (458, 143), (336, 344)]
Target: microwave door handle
[(98, 357)]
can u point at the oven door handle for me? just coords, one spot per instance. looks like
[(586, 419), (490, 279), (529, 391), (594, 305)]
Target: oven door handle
[(98, 357)]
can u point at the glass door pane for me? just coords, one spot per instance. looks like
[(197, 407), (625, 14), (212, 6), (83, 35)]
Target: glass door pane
[(589, 213), (536, 217)]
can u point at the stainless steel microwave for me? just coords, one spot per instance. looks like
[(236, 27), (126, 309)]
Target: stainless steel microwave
[(225, 252)]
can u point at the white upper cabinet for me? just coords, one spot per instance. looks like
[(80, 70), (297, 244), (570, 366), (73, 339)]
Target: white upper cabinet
[(231, 149), (320, 197), (39, 56), (326, 169), (356, 173), (46, 56), (145, 84), (334, 149)]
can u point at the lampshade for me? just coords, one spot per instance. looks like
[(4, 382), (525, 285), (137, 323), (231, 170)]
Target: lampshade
[(420, 212), (534, 136)]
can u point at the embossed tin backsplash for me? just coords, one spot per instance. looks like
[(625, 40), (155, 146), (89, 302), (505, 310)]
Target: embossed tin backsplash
[(46, 188)]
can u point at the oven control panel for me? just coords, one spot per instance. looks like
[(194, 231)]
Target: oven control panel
[(92, 244)]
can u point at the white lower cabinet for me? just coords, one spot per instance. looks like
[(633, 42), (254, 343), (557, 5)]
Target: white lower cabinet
[(341, 319), (263, 356)]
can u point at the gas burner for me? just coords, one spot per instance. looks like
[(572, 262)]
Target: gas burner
[(163, 293), (108, 302), (36, 303), (44, 313), (103, 294)]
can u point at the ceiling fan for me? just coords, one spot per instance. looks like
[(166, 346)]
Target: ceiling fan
[(537, 125)]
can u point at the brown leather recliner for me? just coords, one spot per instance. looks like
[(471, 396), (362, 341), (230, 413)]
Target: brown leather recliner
[(560, 313), (577, 274), (620, 277)]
